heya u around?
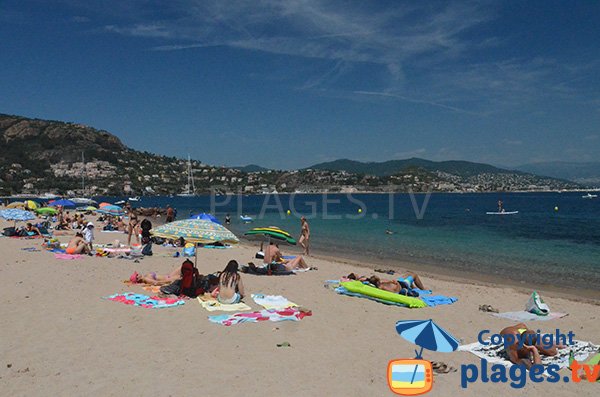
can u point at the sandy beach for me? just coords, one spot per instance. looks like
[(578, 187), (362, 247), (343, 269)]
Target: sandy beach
[(59, 337)]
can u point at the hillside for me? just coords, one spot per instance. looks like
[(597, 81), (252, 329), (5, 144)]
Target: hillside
[(585, 173), (42, 156), (387, 168)]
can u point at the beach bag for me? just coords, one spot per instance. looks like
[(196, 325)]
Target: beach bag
[(147, 250), (191, 282), (172, 289), (9, 231), (189, 250), (536, 305)]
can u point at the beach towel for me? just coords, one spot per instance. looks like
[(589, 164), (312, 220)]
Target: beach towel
[(213, 305), (495, 354), (434, 300), (524, 316), (155, 289), (272, 301), (289, 314), (67, 256), (344, 291), (30, 249), (154, 302)]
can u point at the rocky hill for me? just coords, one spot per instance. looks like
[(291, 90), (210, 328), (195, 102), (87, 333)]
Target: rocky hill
[(42, 156)]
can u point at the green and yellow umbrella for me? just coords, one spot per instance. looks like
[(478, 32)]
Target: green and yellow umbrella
[(271, 233), (196, 231), (31, 205)]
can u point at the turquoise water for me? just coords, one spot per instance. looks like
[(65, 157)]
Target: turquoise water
[(543, 245)]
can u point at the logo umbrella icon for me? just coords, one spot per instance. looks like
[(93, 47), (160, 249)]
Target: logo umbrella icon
[(414, 376)]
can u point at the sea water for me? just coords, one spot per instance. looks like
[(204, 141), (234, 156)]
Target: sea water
[(554, 239)]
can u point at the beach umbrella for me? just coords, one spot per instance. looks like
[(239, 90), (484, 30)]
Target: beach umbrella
[(46, 211), (271, 233), (62, 203), (206, 217), (15, 214), (428, 335), (90, 208), (31, 205), (16, 204), (103, 204), (196, 231), (114, 210)]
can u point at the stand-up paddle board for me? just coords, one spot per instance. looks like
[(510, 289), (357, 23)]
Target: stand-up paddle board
[(502, 213)]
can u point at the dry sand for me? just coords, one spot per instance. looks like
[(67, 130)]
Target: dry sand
[(59, 338)]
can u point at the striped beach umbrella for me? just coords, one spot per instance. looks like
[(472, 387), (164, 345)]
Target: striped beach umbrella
[(271, 233), (16, 204), (31, 205), (114, 210), (104, 204), (196, 231), (428, 335)]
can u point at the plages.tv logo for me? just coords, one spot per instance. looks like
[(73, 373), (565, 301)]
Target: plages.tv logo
[(412, 377)]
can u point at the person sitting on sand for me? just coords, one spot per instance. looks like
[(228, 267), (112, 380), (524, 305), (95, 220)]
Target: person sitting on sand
[(531, 349), (231, 288), (156, 279), (274, 256), (403, 285), (77, 245)]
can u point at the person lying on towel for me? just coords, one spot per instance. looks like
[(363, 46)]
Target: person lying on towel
[(404, 285), (531, 350), (156, 279)]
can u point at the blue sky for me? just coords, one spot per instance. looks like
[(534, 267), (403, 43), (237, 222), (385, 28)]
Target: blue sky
[(287, 84)]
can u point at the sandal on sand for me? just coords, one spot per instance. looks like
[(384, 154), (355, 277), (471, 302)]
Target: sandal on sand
[(442, 368), (488, 308)]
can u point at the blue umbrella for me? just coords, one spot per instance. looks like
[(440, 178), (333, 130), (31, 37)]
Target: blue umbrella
[(63, 203), (428, 335), (206, 217), (15, 214), (111, 210)]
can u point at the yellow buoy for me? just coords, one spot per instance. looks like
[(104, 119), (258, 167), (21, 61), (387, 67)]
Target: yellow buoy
[(556, 208), (289, 212), (359, 210)]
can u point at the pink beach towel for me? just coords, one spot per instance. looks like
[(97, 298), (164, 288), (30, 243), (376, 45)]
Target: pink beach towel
[(68, 256), (289, 314)]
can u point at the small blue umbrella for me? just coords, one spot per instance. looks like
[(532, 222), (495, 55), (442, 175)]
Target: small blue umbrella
[(62, 203), (15, 214), (206, 217), (111, 210), (428, 335)]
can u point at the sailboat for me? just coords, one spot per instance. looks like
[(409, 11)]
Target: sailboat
[(190, 181), (83, 200), (589, 196)]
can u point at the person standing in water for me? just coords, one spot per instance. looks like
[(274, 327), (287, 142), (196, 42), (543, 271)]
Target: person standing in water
[(227, 219), (304, 240), (500, 206)]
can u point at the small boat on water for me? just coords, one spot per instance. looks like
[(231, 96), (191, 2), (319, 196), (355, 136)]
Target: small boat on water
[(502, 213), (589, 196), (120, 202), (83, 200), (136, 198), (246, 218)]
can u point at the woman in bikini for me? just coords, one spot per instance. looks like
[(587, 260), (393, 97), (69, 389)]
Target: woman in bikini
[(304, 240), (156, 279), (231, 288), (77, 245), (133, 229)]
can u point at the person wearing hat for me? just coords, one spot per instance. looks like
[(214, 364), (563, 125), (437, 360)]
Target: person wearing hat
[(88, 235)]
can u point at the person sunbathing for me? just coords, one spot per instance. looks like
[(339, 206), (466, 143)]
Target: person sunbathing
[(31, 230), (153, 278), (531, 350), (274, 256), (77, 245), (231, 288), (403, 285)]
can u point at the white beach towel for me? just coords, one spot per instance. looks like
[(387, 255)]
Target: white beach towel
[(524, 316), (272, 301), (213, 305), (495, 354)]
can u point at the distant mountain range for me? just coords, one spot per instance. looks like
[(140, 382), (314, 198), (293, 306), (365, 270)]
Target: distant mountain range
[(585, 173), (391, 167), (38, 156)]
